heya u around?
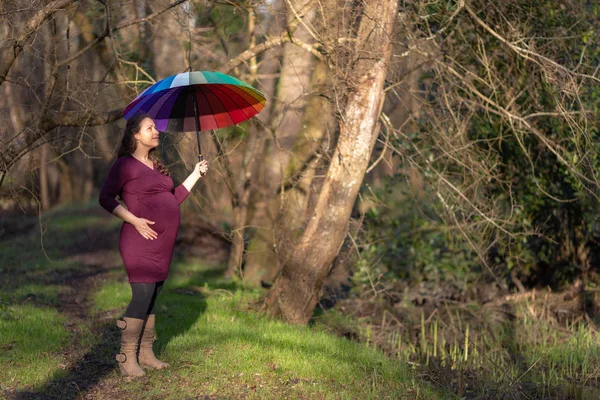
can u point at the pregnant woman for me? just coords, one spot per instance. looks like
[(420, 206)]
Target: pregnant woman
[(147, 237)]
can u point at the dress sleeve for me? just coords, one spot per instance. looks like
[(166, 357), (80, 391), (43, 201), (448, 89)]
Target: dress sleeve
[(116, 178), (180, 193)]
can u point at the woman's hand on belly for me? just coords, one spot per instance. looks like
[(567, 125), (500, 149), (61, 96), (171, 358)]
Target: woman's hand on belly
[(142, 226)]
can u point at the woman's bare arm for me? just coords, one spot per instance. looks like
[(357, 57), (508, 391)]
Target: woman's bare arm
[(199, 171), (140, 224), (124, 214)]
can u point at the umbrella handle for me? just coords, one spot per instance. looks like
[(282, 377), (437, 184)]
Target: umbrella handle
[(201, 158)]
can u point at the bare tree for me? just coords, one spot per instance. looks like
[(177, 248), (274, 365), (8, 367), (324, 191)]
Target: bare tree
[(60, 105), (307, 260)]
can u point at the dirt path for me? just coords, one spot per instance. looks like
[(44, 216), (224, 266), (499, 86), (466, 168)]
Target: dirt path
[(84, 369), (88, 258), (87, 369)]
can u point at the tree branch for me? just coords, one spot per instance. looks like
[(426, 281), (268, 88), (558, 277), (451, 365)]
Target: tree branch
[(284, 37), (8, 56), (527, 54), (14, 151)]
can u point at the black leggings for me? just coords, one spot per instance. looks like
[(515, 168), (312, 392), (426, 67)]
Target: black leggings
[(143, 297)]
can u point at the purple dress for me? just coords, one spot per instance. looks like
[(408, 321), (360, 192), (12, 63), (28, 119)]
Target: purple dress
[(147, 194)]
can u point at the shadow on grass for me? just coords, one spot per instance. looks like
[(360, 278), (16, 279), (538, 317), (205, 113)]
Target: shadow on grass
[(93, 370), (92, 367), (83, 242), (182, 300), (179, 306), (179, 313)]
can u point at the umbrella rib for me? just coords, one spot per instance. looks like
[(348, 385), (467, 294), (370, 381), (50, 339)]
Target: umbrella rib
[(211, 109), (173, 91), (233, 101), (141, 103)]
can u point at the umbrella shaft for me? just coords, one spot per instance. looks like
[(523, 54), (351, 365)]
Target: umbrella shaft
[(200, 158)]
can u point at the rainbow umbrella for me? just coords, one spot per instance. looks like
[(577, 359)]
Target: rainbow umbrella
[(198, 100)]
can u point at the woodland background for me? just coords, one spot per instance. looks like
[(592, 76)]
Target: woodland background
[(424, 177)]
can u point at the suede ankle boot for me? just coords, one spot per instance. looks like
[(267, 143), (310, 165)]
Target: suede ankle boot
[(147, 357), (130, 335)]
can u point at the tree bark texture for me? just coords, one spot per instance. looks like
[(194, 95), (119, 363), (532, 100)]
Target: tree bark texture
[(307, 261), (289, 106), (290, 206)]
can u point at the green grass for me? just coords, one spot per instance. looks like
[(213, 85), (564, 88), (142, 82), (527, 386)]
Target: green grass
[(557, 352), (30, 339), (66, 223), (40, 294), (207, 329), (32, 332), (217, 345), (111, 296)]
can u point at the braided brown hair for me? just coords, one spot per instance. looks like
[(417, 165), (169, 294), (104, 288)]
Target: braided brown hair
[(128, 144)]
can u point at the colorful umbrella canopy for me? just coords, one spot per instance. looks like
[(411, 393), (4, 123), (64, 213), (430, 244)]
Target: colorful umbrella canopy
[(198, 100)]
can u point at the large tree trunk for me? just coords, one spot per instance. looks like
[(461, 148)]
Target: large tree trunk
[(307, 156), (290, 102), (262, 262), (307, 261)]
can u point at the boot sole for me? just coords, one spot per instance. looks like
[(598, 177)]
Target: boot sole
[(124, 373), (151, 367)]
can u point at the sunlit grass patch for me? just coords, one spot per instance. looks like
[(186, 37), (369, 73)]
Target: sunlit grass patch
[(194, 272), (218, 345), (112, 295), (207, 329), (30, 339), (558, 353)]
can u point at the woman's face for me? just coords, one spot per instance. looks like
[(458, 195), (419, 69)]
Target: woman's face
[(148, 135)]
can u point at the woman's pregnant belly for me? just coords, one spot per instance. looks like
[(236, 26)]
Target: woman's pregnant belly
[(162, 208)]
